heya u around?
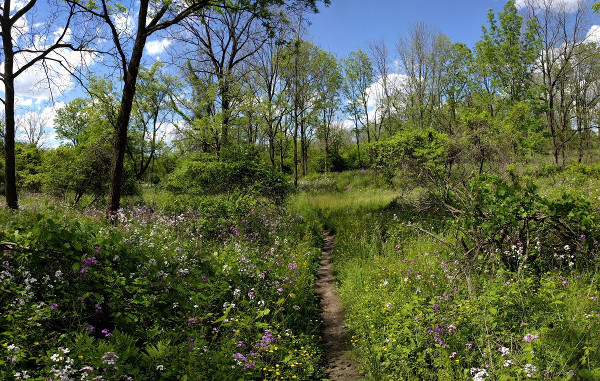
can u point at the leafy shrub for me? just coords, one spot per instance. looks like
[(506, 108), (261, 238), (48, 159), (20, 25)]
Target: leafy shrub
[(415, 153), (84, 169), (28, 162), (495, 216), (150, 296), (205, 177)]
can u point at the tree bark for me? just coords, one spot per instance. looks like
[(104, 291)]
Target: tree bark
[(10, 182), (120, 141)]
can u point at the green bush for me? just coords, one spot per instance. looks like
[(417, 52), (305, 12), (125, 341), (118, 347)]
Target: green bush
[(83, 170), (416, 153), (496, 216), (152, 296), (209, 177), (28, 162)]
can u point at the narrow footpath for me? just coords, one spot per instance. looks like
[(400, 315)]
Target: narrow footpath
[(339, 365)]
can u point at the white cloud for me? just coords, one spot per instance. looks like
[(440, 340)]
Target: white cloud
[(593, 35), (43, 82), (376, 94), (23, 102), (347, 124), (568, 5), (169, 131), (157, 47), (125, 23)]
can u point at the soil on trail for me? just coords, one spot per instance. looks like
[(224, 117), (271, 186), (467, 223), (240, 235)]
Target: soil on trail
[(338, 363)]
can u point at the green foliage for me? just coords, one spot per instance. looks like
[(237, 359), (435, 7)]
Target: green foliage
[(237, 174), (159, 296), (28, 161), (495, 216), (419, 309), (83, 170), (416, 153), (506, 54)]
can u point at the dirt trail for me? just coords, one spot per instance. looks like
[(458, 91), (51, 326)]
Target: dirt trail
[(339, 365)]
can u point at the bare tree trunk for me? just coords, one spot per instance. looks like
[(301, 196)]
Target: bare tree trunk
[(10, 182), (296, 145), (116, 169)]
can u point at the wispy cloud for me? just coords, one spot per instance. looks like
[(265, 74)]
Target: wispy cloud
[(567, 5)]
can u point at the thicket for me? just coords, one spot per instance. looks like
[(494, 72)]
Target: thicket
[(220, 292)]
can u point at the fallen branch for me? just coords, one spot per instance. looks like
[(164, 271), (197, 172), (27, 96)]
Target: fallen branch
[(433, 236)]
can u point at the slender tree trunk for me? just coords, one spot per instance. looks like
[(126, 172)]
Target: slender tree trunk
[(120, 141), (302, 145), (272, 147), (357, 133), (10, 179), (281, 155), (551, 125), (296, 146), (326, 127)]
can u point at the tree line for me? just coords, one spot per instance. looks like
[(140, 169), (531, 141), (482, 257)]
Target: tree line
[(241, 76)]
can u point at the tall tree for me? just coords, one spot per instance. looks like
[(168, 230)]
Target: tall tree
[(329, 85), (25, 43), (561, 29), (221, 39), (267, 64), (381, 57), (153, 16), (508, 51), (418, 58)]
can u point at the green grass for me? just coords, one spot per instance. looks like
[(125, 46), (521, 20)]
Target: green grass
[(417, 310)]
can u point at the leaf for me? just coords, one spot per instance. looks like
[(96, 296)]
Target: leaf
[(264, 312), (76, 266)]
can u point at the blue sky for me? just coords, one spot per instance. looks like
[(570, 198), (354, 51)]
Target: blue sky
[(348, 24)]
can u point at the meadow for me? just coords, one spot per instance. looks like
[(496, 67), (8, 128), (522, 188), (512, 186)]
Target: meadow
[(498, 280), (501, 293)]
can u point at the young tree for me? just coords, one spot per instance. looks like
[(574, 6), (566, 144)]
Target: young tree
[(329, 85), (419, 54), (561, 29), (508, 51), (267, 64), (381, 57), (151, 114), (359, 76)]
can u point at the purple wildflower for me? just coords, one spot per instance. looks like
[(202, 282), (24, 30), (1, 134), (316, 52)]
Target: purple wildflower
[(530, 337)]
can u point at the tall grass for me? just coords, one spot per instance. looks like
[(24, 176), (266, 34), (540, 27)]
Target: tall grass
[(417, 310)]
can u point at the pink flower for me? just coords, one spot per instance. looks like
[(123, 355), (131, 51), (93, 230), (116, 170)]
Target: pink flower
[(530, 337)]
